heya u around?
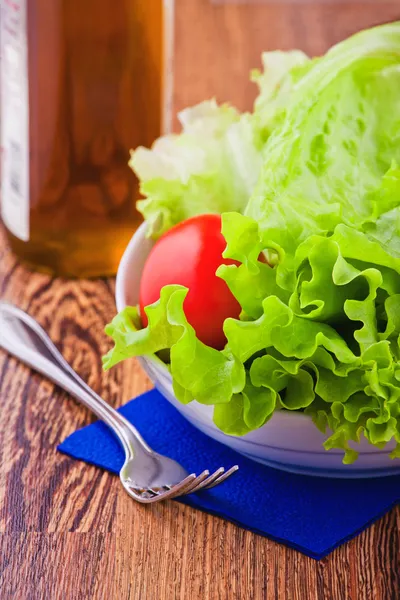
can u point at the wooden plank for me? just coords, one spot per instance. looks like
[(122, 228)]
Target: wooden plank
[(215, 57), (58, 566)]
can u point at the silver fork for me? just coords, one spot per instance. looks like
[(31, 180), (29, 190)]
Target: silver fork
[(146, 475)]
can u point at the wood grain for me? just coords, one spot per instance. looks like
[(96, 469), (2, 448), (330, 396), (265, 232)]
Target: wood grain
[(67, 530), (214, 56)]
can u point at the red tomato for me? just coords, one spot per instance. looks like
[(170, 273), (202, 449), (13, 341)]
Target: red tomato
[(189, 254)]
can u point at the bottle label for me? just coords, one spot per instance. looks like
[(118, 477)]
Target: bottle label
[(15, 118)]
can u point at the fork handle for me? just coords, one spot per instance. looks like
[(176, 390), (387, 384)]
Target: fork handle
[(24, 338)]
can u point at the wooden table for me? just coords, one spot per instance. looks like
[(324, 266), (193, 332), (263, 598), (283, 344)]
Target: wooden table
[(67, 530)]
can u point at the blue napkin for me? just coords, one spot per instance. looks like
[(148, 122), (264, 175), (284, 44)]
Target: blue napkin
[(311, 514)]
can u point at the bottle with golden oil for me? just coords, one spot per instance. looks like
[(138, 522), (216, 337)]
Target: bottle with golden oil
[(81, 84)]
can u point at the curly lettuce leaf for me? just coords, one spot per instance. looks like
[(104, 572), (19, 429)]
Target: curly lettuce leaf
[(276, 82), (210, 167), (338, 139), (341, 323), (214, 163), (198, 371)]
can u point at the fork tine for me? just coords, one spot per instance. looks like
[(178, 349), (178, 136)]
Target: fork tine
[(143, 499), (207, 482), (191, 486), (222, 478), (179, 488), (202, 477)]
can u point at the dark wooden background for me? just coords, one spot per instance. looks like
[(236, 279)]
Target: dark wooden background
[(67, 530)]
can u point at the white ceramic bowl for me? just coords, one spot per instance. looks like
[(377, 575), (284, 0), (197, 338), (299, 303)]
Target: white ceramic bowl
[(289, 441)]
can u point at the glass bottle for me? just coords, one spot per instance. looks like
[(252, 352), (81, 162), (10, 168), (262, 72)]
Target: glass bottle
[(81, 84)]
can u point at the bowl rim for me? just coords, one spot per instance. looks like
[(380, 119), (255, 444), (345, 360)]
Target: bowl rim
[(124, 263), (135, 244)]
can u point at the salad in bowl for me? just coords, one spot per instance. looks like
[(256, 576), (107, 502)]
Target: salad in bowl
[(265, 281)]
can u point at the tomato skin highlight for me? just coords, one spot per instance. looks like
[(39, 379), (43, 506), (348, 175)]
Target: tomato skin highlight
[(189, 254)]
